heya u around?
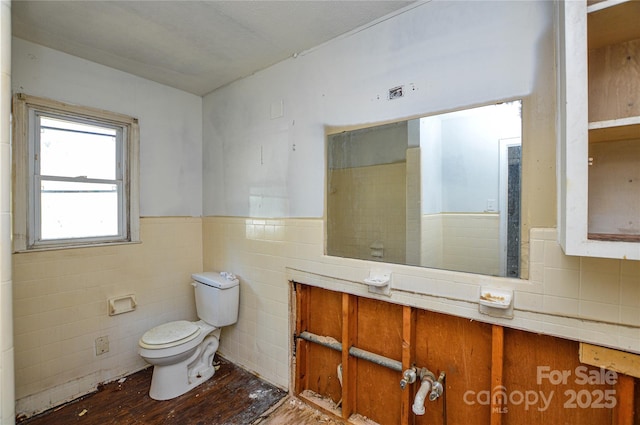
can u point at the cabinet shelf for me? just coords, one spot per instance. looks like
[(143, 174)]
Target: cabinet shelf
[(614, 130), (612, 22), (614, 237)]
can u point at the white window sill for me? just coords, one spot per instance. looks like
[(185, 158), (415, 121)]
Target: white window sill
[(78, 246)]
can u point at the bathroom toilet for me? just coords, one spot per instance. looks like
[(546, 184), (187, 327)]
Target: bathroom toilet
[(181, 352)]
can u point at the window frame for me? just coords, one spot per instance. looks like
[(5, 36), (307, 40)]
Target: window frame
[(26, 224)]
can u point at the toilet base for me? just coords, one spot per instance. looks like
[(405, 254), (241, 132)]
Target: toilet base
[(170, 381)]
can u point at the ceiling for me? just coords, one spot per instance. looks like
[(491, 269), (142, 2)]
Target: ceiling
[(195, 46)]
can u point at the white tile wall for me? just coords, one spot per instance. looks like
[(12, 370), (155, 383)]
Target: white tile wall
[(569, 297), (380, 194), (464, 242), (7, 407), (60, 308), (256, 251)]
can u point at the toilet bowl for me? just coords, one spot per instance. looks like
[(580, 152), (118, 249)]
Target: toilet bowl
[(182, 352), (182, 364)]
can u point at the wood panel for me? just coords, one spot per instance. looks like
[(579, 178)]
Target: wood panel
[(616, 360), (349, 363), (301, 347), (380, 328), (408, 360), (614, 86), (378, 393), (462, 349), (636, 402), (322, 371), (324, 319), (543, 383), (325, 313), (613, 25), (497, 368), (623, 413), (529, 378)]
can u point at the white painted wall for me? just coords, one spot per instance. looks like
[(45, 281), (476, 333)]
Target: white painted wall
[(170, 120), (446, 54)]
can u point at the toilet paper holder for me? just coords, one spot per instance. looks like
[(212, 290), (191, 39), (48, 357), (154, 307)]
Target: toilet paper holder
[(122, 304)]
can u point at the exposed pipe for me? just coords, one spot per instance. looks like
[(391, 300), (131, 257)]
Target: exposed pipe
[(376, 358), (408, 377), (421, 395), (325, 341), (339, 371), (428, 383), (437, 388), (427, 380), (354, 351)]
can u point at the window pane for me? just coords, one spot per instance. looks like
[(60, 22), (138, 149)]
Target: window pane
[(71, 149), (78, 210)]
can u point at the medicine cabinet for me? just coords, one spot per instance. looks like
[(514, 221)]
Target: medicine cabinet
[(599, 128)]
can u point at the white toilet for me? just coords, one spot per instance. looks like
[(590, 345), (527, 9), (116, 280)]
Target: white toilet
[(181, 352)]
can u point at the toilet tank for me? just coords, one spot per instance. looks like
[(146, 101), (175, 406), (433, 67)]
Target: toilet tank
[(217, 298)]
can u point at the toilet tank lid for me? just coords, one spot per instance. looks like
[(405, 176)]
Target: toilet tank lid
[(215, 280)]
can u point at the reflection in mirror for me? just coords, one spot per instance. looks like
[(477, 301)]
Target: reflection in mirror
[(441, 191)]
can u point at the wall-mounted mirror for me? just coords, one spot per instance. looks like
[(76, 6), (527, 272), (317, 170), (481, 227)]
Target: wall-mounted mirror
[(442, 191)]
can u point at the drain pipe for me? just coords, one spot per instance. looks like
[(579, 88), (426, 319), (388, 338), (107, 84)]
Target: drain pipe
[(353, 351)]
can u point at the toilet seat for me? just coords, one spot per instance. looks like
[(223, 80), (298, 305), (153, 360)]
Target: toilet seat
[(169, 335)]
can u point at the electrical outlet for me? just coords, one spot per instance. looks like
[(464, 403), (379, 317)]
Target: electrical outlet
[(102, 345)]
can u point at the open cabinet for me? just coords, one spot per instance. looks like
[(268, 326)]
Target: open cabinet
[(599, 128)]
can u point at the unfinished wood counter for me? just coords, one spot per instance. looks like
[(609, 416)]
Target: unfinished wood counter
[(494, 374)]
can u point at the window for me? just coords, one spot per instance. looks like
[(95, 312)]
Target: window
[(76, 175)]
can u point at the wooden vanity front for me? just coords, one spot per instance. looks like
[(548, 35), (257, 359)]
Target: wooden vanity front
[(494, 374)]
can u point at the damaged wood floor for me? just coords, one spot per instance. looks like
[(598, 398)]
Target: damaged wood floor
[(232, 396), (292, 411)]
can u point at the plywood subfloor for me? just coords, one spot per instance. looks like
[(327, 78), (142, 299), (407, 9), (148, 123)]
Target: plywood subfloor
[(232, 396), (292, 411)]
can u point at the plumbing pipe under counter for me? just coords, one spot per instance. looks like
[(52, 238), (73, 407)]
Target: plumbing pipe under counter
[(426, 384), (353, 351)]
